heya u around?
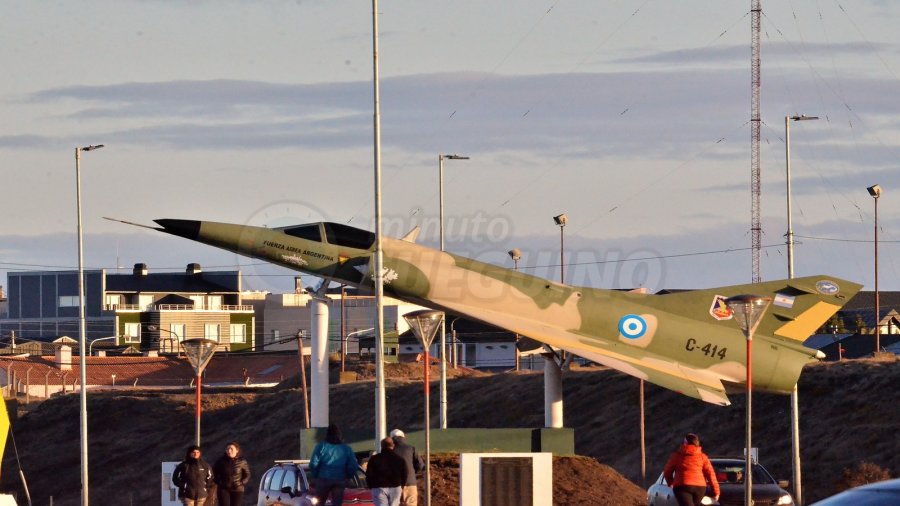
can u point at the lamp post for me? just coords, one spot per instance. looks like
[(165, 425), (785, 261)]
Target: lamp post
[(789, 238), (516, 255), (561, 220), (875, 192), (176, 339), (82, 333), (748, 311), (91, 346), (443, 351), (787, 157), (199, 352), (425, 324)]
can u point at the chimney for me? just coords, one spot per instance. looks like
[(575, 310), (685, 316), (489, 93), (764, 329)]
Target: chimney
[(298, 285), (140, 269), (193, 269), (63, 359)]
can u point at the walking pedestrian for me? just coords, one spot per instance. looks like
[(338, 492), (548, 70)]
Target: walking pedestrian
[(688, 471), (232, 473), (193, 477), (331, 464), (414, 464), (386, 475)]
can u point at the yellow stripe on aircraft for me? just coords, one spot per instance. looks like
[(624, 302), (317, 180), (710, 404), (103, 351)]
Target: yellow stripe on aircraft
[(805, 324)]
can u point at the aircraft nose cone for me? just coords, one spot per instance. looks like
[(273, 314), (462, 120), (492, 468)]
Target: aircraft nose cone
[(189, 229)]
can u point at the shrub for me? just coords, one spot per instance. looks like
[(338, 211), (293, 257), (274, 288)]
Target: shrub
[(864, 472)]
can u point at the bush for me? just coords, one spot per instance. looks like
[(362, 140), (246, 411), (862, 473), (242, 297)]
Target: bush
[(864, 472)]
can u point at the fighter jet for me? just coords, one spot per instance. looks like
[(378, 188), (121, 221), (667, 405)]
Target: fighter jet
[(681, 341)]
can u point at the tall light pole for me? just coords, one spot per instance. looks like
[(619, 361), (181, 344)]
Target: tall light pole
[(789, 237), (378, 275), (425, 324), (516, 255), (875, 192), (561, 220), (443, 351), (748, 311), (787, 157), (82, 333)]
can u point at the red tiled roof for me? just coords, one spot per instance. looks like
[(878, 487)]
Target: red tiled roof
[(155, 371)]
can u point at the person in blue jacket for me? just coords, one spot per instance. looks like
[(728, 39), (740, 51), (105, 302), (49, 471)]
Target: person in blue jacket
[(332, 463)]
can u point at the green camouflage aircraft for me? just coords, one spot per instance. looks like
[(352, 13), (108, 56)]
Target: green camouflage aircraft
[(680, 341)]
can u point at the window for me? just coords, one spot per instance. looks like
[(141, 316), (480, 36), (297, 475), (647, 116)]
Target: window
[(345, 235), (308, 232), (238, 333), (214, 302), (178, 331), (145, 301), (68, 301), (132, 332), (211, 331), (275, 335), (113, 300)]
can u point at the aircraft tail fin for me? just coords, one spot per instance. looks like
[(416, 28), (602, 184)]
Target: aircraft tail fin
[(799, 306)]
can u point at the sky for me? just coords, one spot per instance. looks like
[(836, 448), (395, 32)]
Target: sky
[(632, 117)]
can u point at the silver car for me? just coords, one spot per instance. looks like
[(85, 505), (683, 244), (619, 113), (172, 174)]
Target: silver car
[(882, 493), (767, 491)]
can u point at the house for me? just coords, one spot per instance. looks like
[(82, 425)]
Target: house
[(147, 311)]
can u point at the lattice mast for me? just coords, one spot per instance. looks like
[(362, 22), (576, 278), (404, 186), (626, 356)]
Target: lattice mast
[(755, 123)]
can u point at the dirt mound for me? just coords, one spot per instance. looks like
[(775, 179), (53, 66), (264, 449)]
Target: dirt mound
[(577, 481)]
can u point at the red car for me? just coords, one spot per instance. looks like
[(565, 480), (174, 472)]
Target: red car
[(287, 483)]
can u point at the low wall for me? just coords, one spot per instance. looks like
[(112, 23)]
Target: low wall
[(556, 441)]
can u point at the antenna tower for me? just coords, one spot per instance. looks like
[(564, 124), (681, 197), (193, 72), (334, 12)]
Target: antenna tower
[(755, 225)]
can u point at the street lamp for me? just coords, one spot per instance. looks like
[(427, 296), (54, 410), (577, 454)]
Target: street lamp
[(789, 238), (516, 255), (875, 192), (175, 340), (443, 351), (199, 352), (91, 346), (787, 157), (748, 310), (561, 220), (425, 324), (82, 363)]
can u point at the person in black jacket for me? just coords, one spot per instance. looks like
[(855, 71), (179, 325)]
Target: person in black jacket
[(193, 477), (414, 464), (386, 474), (232, 473)]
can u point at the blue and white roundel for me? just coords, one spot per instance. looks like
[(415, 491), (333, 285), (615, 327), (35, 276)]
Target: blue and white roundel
[(632, 326)]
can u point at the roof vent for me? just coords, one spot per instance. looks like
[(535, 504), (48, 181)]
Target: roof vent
[(140, 269), (193, 268)]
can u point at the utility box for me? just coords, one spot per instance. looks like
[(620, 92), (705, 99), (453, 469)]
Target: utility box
[(501, 479), (169, 490)]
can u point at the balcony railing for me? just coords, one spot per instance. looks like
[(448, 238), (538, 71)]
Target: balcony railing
[(177, 307)]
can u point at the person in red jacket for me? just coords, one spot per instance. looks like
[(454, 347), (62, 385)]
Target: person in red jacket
[(688, 472)]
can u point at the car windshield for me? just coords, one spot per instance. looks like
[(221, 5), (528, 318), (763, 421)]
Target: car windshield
[(733, 473)]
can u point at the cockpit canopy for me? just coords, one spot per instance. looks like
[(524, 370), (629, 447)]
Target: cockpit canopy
[(335, 233)]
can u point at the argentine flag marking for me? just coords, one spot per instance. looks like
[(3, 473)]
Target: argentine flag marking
[(632, 326)]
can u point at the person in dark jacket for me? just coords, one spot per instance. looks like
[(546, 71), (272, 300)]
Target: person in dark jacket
[(386, 474), (688, 471), (414, 464), (193, 477), (331, 464), (232, 473)]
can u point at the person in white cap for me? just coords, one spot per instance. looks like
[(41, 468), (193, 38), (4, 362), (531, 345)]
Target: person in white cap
[(414, 464)]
